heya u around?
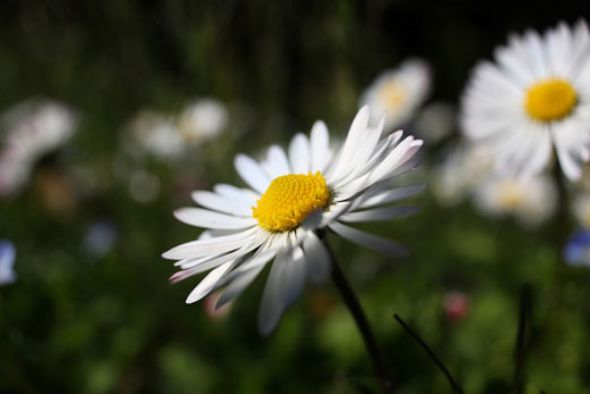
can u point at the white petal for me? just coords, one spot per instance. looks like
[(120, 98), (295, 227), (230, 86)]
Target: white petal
[(570, 138), (320, 146), (271, 307), (370, 241), (252, 173), (235, 288), (206, 247), (294, 276), (205, 264), (363, 153), (277, 162), (316, 258), (208, 283), (223, 204), (209, 219), (390, 196), (253, 263), (215, 260), (299, 154), (396, 158), (236, 193), (354, 139), (378, 214)]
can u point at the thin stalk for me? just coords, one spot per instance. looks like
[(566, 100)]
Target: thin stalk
[(352, 303), (454, 385), (521, 343)]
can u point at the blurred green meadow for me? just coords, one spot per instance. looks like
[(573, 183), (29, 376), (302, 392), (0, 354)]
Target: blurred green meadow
[(91, 310)]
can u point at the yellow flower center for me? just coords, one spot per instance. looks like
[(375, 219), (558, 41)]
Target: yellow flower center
[(392, 95), (511, 195), (289, 199), (551, 99)]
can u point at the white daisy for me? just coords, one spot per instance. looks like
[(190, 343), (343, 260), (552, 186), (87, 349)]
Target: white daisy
[(202, 119), (37, 127), (533, 100), (290, 196), (464, 167), (156, 134), (398, 93), (31, 130), (531, 200), (170, 136)]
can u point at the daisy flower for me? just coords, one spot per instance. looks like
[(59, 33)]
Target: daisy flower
[(31, 130), (461, 171), (290, 196), (156, 134), (535, 99), (202, 119), (171, 136), (398, 93), (531, 200)]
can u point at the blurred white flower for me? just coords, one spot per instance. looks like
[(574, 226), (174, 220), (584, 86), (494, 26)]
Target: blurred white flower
[(535, 99), (398, 93), (436, 121), (531, 200), (157, 134), (169, 137), (203, 119), (31, 130), (462, 170), (7, 259)]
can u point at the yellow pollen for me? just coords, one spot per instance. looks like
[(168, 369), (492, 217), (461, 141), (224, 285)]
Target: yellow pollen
[(392, 95), (550, 100), (511, 195), (289, 199)]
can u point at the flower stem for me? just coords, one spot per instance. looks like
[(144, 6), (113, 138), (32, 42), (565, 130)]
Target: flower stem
[(522, 338), (351, 300), (452, 381)]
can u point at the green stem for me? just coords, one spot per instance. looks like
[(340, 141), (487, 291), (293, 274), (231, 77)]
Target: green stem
[(351, 301)]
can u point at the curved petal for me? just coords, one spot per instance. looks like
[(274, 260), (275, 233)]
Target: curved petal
[(252, 173), (299, 154), (378, 214), (278, 164), (317, 258), (370, 241), (209, 219), (320, 146), (208, 283), (223, 204)]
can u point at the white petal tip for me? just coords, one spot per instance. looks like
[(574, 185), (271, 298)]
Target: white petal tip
[(168, 255)]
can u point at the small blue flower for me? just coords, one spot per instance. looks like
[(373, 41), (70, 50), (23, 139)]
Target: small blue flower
[(100, 238), (7, 258), (577, 250)]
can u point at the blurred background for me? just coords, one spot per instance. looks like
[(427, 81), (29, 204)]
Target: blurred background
[(113, 112)]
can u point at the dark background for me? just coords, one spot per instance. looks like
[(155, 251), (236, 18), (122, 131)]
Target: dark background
[(115, 325)]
